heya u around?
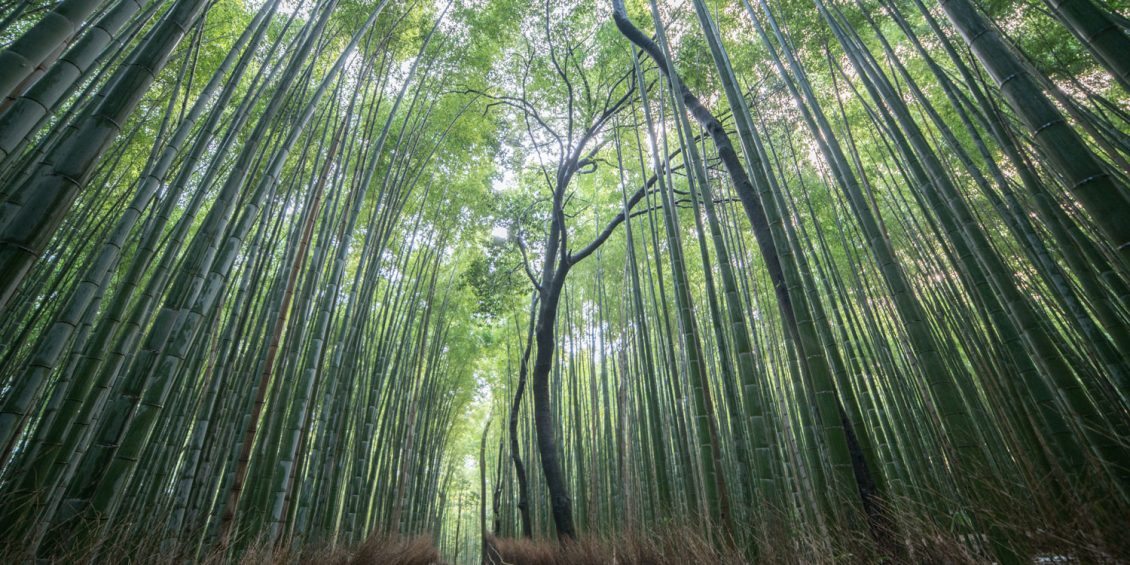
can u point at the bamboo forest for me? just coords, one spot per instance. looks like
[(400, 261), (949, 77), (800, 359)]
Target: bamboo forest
[(564, 281)]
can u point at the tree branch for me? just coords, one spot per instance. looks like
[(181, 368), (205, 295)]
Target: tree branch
[(616, 221), (526, 260)]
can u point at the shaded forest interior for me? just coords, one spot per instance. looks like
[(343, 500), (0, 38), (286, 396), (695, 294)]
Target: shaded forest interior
[(569, 281)]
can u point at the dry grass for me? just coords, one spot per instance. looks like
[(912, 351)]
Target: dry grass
[(378, 549), (381, 550), (670, 546), (1091, 531)]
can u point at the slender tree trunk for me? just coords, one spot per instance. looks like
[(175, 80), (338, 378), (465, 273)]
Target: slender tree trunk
[(1099, 33), (515, 407), (48, 36), (34, 211), (1102, 196)]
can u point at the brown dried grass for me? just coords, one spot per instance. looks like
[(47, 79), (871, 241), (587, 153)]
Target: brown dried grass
[(382, 549), (669, 546), (1091, 531)]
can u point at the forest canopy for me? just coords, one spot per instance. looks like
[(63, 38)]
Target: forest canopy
[(672, 281)]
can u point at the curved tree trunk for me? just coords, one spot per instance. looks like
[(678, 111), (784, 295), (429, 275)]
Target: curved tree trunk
[(545, 337), (515, 451)]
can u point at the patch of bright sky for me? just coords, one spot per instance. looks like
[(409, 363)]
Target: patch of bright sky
[(506, 181), (286, 7), (453, 26)]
